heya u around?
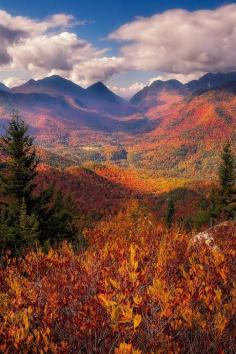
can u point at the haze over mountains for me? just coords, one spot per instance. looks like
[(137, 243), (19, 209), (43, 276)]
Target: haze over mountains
[(179, 120)]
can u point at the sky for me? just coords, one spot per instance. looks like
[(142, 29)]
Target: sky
[(127, 44)]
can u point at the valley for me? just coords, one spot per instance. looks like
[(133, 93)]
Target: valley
[(168, 128)]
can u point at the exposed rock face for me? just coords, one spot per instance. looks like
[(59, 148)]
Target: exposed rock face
[(218, 235)]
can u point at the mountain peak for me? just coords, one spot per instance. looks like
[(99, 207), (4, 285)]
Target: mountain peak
[(170, 84), (54, 84), (54, 78), (211, 80), (4, 87), (98, 87), (152, 92)]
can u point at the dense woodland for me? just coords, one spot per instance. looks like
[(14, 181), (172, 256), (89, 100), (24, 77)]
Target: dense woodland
[(94, 260)]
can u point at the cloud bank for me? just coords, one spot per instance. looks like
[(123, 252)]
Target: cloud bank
[(49, 47), (181, 42), (175, 43)]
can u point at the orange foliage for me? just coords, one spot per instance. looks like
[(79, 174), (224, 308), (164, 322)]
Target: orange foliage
[(138, 288)]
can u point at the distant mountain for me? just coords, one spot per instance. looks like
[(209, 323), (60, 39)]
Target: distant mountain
[(97, 98), (4, 87), (98, 89), (54, 85), (229, 86), (56, 108), (158, 93), (180, 130), (211, 81), (171, 91), (106, 101)]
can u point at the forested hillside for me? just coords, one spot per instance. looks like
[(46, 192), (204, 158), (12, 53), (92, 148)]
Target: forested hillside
[(104, 259)]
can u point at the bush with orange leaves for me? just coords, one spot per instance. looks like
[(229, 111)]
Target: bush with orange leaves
[(138, 288)]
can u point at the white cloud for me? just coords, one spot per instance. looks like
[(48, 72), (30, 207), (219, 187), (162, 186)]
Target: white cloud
[(181, 42), (29, 27), (97, 69), (175, 44), (13, 81), (180, 77), (51, 52), (129, 91), (47, 47)]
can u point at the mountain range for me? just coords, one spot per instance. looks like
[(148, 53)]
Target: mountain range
[(168, 126)]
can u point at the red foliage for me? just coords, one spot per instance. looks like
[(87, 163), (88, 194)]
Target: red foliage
[(137, 289)]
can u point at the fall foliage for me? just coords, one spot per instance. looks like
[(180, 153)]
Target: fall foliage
[(138, 288)]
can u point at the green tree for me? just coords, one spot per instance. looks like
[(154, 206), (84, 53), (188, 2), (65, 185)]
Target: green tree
[(25, 216), (18, 230), (17, 179), (227, 179), (28, 227), (221, 205), (57, 216)]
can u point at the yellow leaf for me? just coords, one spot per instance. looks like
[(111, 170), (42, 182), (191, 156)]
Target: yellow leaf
[(25, 320), (137, 299), (137, 320), (106, 301), (127, 313), (218, 294), (115, 283), (125, 348), (133, 263)]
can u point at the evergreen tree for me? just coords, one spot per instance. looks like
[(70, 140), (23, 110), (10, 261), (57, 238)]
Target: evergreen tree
[(18, 230), (17, 179), (26, 217), (56, 214), (227, 179), (170, 212), (222, 201), (28, 227)]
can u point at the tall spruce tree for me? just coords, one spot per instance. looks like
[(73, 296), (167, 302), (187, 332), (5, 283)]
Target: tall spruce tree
[(25, 217), (227, 180), (19, 226), (17, 179)]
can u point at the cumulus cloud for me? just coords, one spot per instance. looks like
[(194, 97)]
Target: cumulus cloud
[(181, 42), (49, 47), (176, 44), (98, 69), (58, 51)]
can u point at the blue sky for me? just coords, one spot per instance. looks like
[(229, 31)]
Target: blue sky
[(105, 15), (106, 12), (105, 18)]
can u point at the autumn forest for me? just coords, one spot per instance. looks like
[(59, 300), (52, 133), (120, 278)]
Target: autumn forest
[(117, 177)]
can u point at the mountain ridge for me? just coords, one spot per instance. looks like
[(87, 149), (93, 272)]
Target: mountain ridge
[(170, 128), (149, 95), (96, 97)]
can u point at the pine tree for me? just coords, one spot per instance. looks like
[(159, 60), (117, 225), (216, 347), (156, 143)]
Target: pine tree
[(58, 218), (227, 179), (17, 179), (25, 217), (28, 227), (18, 230)]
